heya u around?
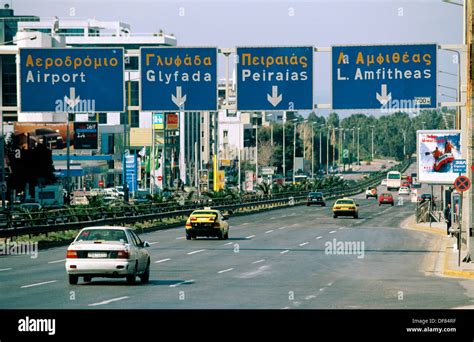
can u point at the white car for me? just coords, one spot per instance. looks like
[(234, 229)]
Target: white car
[(110, 252), (404, 190), (384, 182)]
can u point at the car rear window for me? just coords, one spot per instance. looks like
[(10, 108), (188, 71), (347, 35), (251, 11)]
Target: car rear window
[(387, 195), (102, 234), (345, 202), (315, 194)]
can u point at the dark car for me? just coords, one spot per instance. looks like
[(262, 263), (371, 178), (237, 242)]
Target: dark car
[(424, 197), (316, 198), (386, 198)]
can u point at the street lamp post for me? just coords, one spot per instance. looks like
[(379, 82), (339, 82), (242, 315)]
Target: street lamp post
[(312, 150), (404, 146), (327, 151), (294, 151), (320, 146), (358, 146), (284, 148), (372, 142)]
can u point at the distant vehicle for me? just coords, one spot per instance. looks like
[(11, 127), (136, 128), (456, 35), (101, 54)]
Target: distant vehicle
[(299, 179), (386, 198), (316, 198), (404, 190), (111, 192), (119, 190), (207, 222), (110, 252), (424, 197), (48, 137), (384, 182), (48, 195), (394, 180), (371, 192), (405, 184), (30, 206), (345, 207)]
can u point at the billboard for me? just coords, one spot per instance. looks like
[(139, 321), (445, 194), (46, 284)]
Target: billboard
[(82, 135), (52, 134), (86, 135), (437, 150)]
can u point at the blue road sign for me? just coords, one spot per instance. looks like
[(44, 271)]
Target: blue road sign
[(459, 165), (72, 80), (131, 172), (183, 79), (393, 77), (275, 78)]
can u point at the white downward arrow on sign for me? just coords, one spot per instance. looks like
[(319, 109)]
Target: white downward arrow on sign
[(178, 99), (384, 98), (274, 99), (72, 100)]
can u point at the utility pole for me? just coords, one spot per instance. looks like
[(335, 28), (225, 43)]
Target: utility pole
[(284, 148), (372, 142), (294, 151), (358, 145), (320, 146), (312, 150), (327, 151)]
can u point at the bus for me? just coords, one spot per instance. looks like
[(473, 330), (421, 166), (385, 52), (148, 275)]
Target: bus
[(394, 180)]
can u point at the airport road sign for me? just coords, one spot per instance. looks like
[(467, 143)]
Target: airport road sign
[(81, 80)]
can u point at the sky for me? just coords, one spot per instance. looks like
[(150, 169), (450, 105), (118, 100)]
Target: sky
[(233, 23)]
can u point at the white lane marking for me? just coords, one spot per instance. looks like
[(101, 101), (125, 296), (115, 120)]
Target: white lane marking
[(286, 308), (341, 228), (153, 243), (269, 231), (285, 251), (226, 270), (303, 244), (244, 224), (332, 232), (250, 236), (108, 301), (198, 251), (181, 237), (38, 284), (56, 261), (258, 261), (228, 243), (282, 227), (310, 297), (182, 283), (319, 237), (162, 260), (5, 269), (330, 284), (273, 217)]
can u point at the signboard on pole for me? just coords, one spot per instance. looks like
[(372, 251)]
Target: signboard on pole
[(172, 121), (81, 80), (158, 121), (275, 78), (393, 77), (459, 166), (178, 78), (437, 150), (86, 135), (131, 172)]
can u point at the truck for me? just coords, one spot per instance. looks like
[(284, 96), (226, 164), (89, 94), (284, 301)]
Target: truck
[(48, 196), (394, 180)]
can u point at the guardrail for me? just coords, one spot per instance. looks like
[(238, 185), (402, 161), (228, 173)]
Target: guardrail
[(44, 222)]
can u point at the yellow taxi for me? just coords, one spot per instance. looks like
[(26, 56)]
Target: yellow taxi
[(345, 207), (207, 222)]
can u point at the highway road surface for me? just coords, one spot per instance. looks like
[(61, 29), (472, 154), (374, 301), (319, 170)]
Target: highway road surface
[(279, 259)]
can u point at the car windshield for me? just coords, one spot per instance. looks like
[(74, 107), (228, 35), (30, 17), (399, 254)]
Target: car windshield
[(345, 202), (315, 194), (102, 234)]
